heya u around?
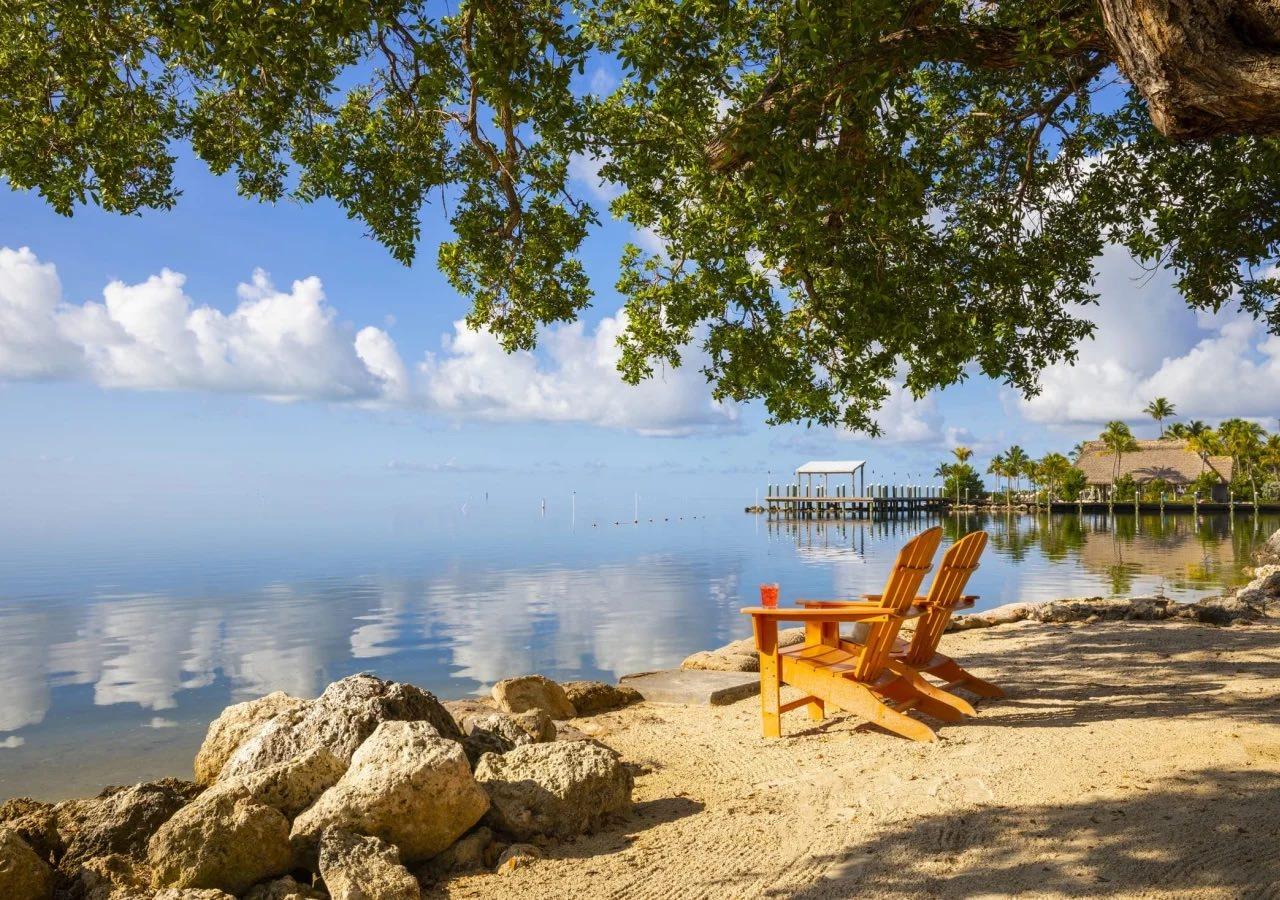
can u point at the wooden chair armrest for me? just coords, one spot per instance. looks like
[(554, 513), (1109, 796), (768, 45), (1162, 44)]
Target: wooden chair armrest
[(837, 604), (965, 602), (863, 598), (868, 614), (857, 605), (830, 614)]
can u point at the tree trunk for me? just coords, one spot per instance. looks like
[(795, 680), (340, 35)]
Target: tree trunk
[(1205, 67)]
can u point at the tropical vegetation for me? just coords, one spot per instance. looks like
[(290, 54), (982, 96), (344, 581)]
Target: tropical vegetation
[(839, 197), (1160, 409), (1254, 452)]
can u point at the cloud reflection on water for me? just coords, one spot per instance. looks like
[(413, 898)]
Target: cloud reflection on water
[(150, 667), (476, 627)]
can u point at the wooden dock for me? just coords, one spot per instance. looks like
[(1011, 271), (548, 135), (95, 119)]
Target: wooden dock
[(807, 498), (825, 506)]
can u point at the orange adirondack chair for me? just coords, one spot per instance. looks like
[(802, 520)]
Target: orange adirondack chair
[(944, 598), (859, 678)]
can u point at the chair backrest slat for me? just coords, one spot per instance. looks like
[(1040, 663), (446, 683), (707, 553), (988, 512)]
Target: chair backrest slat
[(958, 563), (900, 592)]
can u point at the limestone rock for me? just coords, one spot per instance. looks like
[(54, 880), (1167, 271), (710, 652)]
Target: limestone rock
[(592, 697), (517, 695), (284, 889), (234, 726), (559, 789), (715, 661), (339, 720), (355, 867), (567, 732), (1143, 609), (1243, 608), (1269, 552), (106, 878), (228, 843), (406, 785), (119, 820), (1267, 580), (1001, 615), (469, 852), (23, 875), (1255, 597), (35, 822), (517, 855), (464, 709), (497, 732), (185, 894), (289, 787)]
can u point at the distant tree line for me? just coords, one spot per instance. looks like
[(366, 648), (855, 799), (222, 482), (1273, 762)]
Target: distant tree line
[(1254, 453)]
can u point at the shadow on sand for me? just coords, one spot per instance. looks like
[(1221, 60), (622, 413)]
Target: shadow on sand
[(1069, 676), (1206, 832), (1209, 833)]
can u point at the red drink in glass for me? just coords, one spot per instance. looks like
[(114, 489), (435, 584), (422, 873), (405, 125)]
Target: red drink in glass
[(769, 595)]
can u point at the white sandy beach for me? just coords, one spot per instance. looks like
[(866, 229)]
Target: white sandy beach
[(1129, 759)]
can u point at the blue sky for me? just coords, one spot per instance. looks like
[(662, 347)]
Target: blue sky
[(141, 432)]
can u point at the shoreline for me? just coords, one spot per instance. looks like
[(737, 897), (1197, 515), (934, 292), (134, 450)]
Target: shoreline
[(1156, 724), (1130, 757)]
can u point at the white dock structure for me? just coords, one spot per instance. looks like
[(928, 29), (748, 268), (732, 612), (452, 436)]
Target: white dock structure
[(852, 497)]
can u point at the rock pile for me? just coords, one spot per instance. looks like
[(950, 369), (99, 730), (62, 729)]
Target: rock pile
[(365, 793), (1269, 553)]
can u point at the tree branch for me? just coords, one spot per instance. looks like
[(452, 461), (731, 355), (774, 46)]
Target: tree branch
[(974, 45)]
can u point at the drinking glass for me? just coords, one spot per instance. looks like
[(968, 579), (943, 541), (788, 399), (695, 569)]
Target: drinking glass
[(769, 595)]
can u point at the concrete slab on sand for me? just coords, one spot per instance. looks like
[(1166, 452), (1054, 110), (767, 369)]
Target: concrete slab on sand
[(693, 687)]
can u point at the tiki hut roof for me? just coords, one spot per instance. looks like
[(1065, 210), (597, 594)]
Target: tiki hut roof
[(1167, 459)]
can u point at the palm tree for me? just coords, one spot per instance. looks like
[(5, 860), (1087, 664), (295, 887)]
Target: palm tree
[(1203, 441), (1017, 460), (1243, 440), (1160, 409), (1053, 468), (1177, 430), (1117, 438), (1271, 455), (1077, 451), (1035, 477), (961, 454), (998, 467)]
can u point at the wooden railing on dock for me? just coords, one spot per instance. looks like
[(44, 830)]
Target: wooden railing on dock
[(881, 501)]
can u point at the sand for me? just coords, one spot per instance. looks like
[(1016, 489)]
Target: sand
[(1127, 760)]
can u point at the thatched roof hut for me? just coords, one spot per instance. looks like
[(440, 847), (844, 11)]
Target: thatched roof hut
[(1165, 459)]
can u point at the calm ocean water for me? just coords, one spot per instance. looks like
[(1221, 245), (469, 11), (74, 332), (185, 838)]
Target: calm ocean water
[(117, 650)]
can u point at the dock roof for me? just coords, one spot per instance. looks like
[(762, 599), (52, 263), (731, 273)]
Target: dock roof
[(831, 467)]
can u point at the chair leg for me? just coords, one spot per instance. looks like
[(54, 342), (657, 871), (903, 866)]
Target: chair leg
[(858, 699), (817, 710), (904, 725), (950, 671), (770, 678), (938, 699)]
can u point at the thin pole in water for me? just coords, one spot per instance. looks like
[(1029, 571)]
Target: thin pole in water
[(637, 509)]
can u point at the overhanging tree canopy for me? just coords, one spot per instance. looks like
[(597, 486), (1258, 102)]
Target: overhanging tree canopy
[(847, 193)]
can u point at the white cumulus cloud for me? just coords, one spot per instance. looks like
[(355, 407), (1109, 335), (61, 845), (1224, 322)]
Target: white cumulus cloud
[(289, 345), (476, 378), (1149, 344)]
